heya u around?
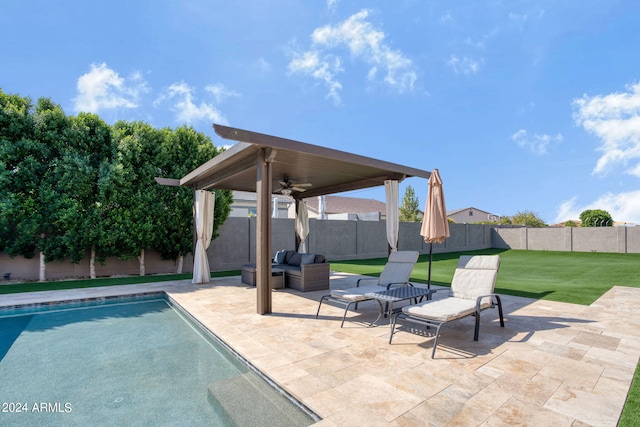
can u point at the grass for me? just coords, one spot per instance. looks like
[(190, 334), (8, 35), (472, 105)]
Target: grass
[(631, 412), (108, 281), (573, 277)]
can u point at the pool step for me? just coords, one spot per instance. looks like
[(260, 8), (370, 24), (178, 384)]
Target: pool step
[(247, 400)]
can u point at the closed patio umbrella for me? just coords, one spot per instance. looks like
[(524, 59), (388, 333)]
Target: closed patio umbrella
[(435, 226)]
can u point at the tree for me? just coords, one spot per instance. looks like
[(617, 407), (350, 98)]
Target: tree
[(87, 155), (596, 218), (131, 211), (31, 142), (528, 218), (183, 150), (409, 209), (19, 175)]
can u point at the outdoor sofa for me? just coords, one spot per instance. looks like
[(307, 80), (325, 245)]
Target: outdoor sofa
[(303, 272)]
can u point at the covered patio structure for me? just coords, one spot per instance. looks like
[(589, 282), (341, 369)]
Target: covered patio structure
[(259, 163)]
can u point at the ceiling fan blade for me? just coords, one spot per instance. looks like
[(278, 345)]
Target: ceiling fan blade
[(296, 188)]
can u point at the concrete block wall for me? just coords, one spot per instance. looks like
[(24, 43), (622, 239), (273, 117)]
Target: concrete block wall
[(576, 239), (340, 240)]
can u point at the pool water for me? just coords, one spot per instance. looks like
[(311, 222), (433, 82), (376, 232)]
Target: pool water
[(127, 362)]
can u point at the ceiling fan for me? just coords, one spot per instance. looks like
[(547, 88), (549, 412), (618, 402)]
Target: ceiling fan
[(287, 187)]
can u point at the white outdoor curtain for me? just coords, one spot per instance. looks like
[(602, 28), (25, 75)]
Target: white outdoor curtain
[(391, 193), (203, 208), (302, 225), (274, 207)]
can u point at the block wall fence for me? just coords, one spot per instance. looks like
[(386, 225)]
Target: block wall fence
[(342, 240)]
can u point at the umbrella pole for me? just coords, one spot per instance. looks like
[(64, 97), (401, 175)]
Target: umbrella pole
[(430, 259)]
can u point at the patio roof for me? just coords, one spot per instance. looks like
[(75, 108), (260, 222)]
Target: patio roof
[(328, 171), (258, 162)]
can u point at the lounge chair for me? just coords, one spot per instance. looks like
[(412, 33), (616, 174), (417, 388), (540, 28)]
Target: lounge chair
[(471, 292), (395, 273)]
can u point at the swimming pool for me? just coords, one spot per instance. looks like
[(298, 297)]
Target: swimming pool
[(128, 361)]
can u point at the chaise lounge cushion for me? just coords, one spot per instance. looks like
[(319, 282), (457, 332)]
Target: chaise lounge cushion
[(443, 310), (356, 294)]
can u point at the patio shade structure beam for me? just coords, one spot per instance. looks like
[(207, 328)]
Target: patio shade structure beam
[(258, 162)]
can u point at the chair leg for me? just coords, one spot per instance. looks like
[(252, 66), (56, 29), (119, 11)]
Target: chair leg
[(319, 305), (435, 342), (500, 310), (344, 316), (477, 329), (393, 327)]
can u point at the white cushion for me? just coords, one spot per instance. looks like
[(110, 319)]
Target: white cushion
[(475, 276), (443, 310), (356, 294), (399, 267)]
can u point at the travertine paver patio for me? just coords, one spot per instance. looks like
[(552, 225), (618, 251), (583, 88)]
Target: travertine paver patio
[(553, 363)]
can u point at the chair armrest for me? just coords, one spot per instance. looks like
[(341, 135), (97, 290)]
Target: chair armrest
[(399, 283), (479, 300), (365, 278)]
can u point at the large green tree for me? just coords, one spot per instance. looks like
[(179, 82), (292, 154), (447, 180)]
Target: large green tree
[(409, 210), (75, 185), (129, 193), (20, 173), (87, 156), (596, 218), (182, 150), (31, 146)]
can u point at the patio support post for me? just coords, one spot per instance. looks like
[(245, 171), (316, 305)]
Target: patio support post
[(263, 233)]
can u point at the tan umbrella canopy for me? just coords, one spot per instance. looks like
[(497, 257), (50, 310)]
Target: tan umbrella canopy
[(435, 226)]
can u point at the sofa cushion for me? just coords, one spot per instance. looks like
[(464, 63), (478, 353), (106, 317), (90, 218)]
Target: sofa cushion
[(288, 256), (307, 259), (295, 259), (319, 259), (280, 257)]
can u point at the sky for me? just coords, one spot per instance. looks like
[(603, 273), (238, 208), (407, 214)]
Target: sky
[(521, 105)]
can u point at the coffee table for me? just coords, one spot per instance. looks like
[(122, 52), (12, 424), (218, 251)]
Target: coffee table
[(389, 296)]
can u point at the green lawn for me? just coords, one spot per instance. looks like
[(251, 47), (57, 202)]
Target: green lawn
[(574, 277), (108, 281)]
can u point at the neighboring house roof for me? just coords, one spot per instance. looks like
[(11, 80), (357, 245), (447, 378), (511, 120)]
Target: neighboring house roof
[(339, 204), (465, 210), (475, 211)]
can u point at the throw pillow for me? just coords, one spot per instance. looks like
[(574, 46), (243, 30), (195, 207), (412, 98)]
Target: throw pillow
[(295, 259), (308, 259), (279, 258)]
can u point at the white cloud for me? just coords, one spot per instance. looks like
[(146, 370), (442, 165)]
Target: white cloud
[(325, 70), (364, 42), (537, 144), (102, 88), (615, 120), (262, 65), (332, 4), (464, 65), (623, 207), (182, 100), (220, 92)]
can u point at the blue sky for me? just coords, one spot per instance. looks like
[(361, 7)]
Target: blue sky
[(521, 105)]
